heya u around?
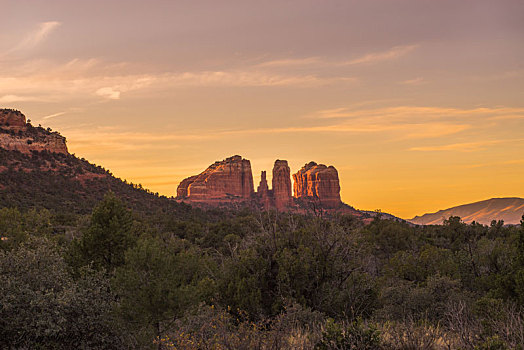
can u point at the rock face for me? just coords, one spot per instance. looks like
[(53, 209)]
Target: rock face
[(181, 191), (263, 193), (12, 119), (18, 135), (318, 182), (229, 179), (281, 184)]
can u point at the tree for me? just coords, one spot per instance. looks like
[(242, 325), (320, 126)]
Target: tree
[(519, 276), (43, 307), (109, 234), (155, 286)]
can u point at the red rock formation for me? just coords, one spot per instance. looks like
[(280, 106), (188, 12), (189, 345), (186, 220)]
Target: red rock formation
[(263, 193), (181, 191), (263, 188), (319, 183), (281, 184), (230, 179), (12, 119), (17, 135)]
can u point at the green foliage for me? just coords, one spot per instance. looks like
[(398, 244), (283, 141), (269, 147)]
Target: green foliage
[(134, 277), (69, 185), (492, 343), (317, 265), (41, 306), (156, 285), (417, 267), (355, 335), (16, 226), (109, 234)]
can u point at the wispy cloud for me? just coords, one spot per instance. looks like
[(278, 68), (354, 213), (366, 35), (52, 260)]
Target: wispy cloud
[(109, 93), (13, 98), (416, 122), (291, 62), (508, 74), (433, 130), (391, 54), (491, 164), (54, 115), (464, 146), (51, 81), (128, 139), (35, 37), (426, 112), (395, 124), (370, 58), (244, 78), (415, 81)]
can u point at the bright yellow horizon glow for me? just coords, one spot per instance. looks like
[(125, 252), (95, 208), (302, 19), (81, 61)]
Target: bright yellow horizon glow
[(415, 118)]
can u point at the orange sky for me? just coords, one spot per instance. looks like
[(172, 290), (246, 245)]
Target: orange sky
[(419, 104)]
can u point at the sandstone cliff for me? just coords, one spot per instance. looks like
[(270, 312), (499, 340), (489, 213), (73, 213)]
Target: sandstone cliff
[(263, 193), (281, 184), (18, 135), (319, 183), (12, 119), (229, 179), (181, 191)]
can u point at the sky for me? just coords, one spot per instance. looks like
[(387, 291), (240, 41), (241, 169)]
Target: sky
[(419, 104)]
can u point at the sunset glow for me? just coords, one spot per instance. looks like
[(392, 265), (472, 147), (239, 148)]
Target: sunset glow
[(419, 109)]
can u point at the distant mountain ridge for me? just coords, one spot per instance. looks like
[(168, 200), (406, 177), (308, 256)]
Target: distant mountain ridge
[(508, 209)]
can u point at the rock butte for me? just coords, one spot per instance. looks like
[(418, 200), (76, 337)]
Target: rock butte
[(231, 180), (319, 183), (281, 184), (18, 135), (227, 180)]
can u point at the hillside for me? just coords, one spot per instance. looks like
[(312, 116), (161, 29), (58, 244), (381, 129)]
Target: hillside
[(65, 183), (37, 171), (508, 209)]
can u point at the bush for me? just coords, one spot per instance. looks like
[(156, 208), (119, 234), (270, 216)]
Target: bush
[(354, 335)]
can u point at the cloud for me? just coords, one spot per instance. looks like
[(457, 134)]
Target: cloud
[(115, 139), (54, 82), (433, 130), (53, 115), (37, 36), (13, 98), (109, 93), (508, 116), (500, 75), (415, 122), (464, 146), (492, 164), (243, 78), (420, 112), (416, 81), (292, 62), (393, 53)]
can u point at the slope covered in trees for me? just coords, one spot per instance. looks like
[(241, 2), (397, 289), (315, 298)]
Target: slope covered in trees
[(66, 184)]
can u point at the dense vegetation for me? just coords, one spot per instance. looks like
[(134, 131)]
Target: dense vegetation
[(116, 278), (66, 184)]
